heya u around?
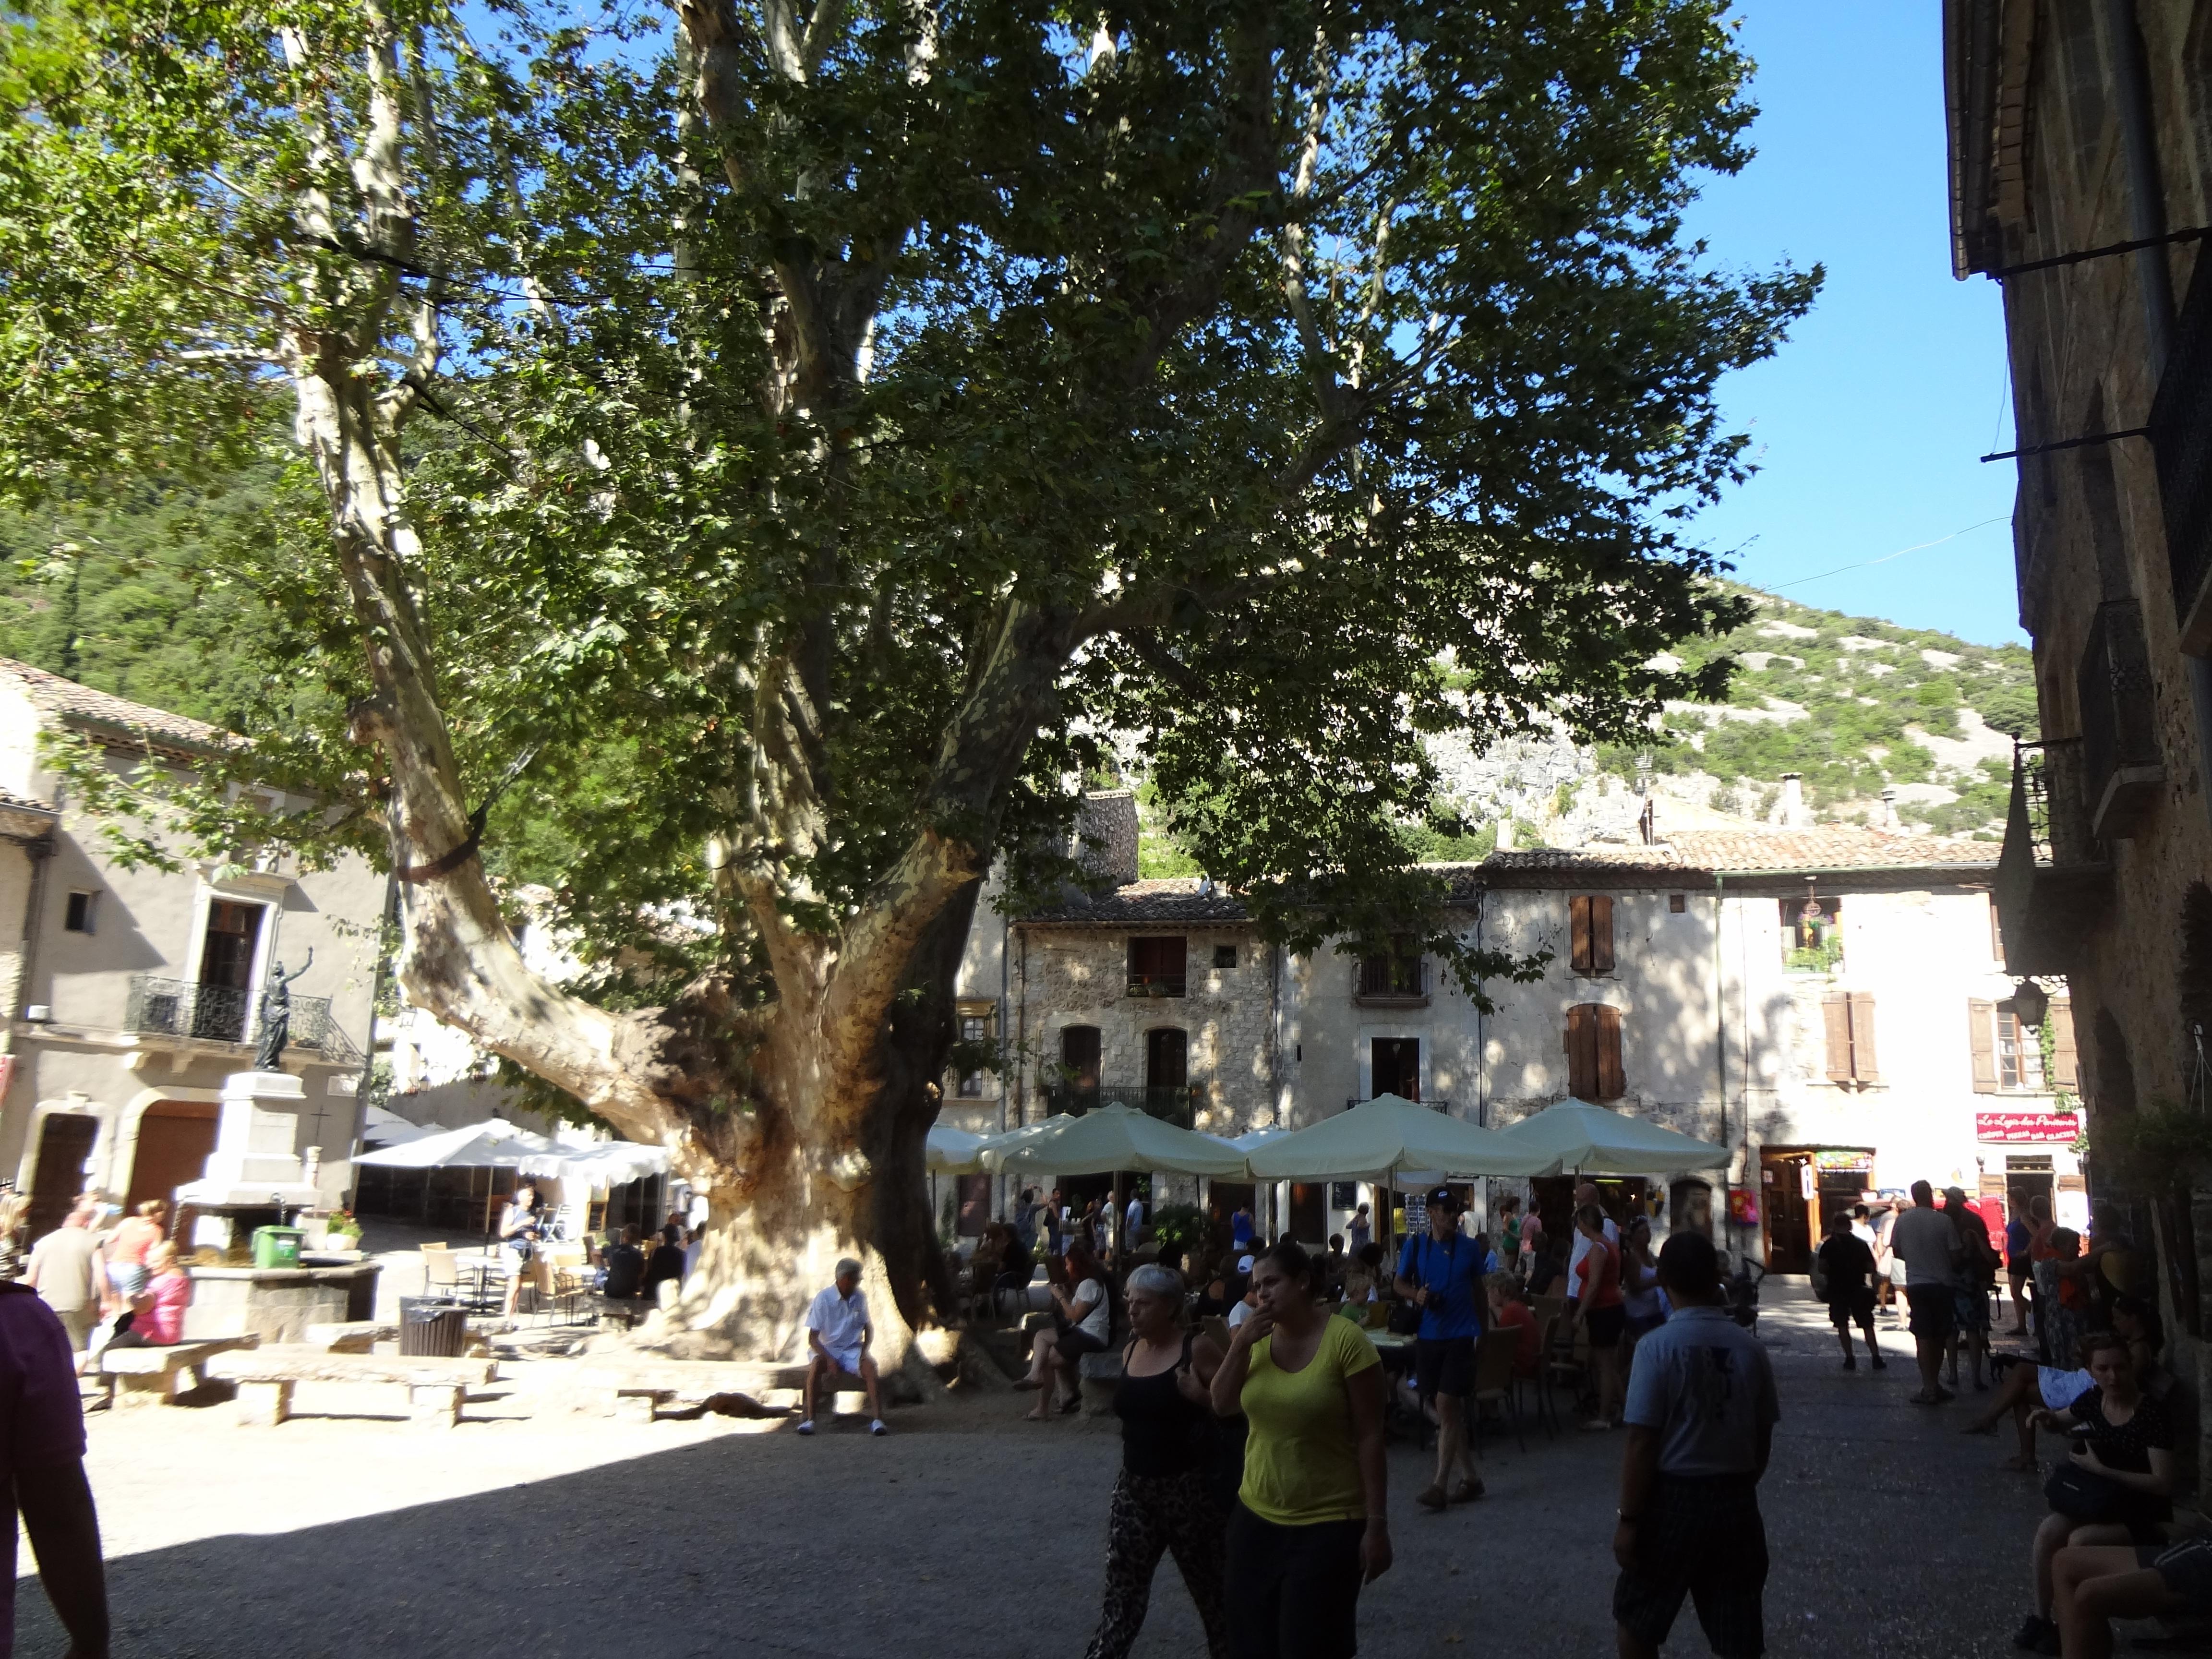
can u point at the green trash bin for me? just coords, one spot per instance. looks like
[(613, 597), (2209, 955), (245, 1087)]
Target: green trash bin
[(277, 1247)]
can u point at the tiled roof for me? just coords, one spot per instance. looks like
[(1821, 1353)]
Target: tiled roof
[(1832, 846), (81, 704), (1175, 898)]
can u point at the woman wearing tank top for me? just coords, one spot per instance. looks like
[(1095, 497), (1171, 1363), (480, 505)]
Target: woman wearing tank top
[(1165, 1499)]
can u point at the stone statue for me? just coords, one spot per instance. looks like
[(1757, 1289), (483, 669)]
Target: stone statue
[(276, 1015)]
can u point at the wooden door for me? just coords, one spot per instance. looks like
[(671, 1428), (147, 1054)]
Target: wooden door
[(1788, 1217), (174, 1139), (65, 1143)]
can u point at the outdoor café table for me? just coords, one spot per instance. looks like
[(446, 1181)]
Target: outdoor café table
[(484, 1270)]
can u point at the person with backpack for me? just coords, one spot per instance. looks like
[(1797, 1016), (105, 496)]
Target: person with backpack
[(1168, 1497), (1843, 1276)]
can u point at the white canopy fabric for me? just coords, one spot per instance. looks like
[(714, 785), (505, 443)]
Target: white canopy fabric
[(387, 1128), (1257, 1138), (1596, 1140), (492, 1143), (951, 1151), (1110, 1138), (599, 1166), (1371, 1140)]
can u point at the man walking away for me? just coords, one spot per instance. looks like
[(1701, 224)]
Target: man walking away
[(1927, 1242), (1846, 1267), (1978, 1267), (1701, 1414), (65, 1270), (42, 1460), (1441, 1270)]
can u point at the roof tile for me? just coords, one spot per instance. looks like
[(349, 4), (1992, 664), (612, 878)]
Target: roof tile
[(81, 704)]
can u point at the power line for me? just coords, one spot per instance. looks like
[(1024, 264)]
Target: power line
[(1868, 564)]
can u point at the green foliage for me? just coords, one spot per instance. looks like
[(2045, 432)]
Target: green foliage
[(1179, 418), (2161, 1142), (1179, 1224)]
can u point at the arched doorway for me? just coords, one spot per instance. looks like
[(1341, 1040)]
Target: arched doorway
[(65, 1141), (174, 1139)]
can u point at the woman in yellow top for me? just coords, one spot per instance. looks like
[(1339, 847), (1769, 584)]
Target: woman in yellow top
[(1310, 1525)]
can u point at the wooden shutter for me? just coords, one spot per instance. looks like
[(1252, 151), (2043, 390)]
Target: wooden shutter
[(2065, 1066), (1835, 1012), (1981, 1038), (1579, 930), (1861, 1007), (1612, 1081), (1600, 933), (1582, 1053), (1996, 934)]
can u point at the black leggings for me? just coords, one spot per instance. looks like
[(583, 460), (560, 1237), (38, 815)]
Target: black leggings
[(1292, 1592)]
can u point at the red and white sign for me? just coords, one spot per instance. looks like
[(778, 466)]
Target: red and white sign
[(2058, 1127)]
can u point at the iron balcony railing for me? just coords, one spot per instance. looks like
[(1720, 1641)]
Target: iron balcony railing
[(2121, 766), (1391, 979), (221, 1013), (1175, 1103), (1157, 985), (2053, 791)]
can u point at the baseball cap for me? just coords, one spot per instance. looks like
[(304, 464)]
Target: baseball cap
[(1444, 1196), (1244, 1263)]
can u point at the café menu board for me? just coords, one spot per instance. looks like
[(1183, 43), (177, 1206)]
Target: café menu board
[(2060, 1129)]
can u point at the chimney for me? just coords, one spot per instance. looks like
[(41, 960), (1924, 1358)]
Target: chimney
[(1790, 811), (1105, 841), (1889, 818), (1504, 835)]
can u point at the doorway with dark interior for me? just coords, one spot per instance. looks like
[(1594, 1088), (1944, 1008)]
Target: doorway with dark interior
[(65, 1141), (220, 1011), (1787, 1211), (1394, 1068), (1167, 1073)]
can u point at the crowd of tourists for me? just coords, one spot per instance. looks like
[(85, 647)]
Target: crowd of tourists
[(112, 1280)]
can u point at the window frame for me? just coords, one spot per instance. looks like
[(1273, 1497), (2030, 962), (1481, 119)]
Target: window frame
[(1591, 935), (84, 917), (1597, 1069), (1142, 979)]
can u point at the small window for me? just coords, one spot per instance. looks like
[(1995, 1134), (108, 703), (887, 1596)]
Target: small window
[(1812, 934), (1677, 903), (975, 1028), (1590, 919), (83, 908), (1157, 966), (2008, 1056), (1400, 976), (1224, 955)]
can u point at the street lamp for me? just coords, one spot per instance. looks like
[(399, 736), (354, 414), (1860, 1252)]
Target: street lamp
[(2030, 1003)]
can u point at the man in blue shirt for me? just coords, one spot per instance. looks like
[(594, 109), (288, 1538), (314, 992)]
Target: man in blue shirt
[(1441, 1270), (1701, 1414)]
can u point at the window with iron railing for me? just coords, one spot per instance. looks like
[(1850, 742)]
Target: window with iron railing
[(1400, 975)]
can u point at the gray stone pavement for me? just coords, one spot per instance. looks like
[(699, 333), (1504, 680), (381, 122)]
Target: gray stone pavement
[(966, 1533)]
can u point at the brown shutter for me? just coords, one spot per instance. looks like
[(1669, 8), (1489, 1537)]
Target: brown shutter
[(2066, 1066), (1835, 1012), (1863, 1067), (1582, 1053), (1578, 926), (1612, 1081), (1601, 931), (1981, 1038)]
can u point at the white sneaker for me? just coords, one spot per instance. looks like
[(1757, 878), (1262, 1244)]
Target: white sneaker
[(876, 1426), (806, 1427)]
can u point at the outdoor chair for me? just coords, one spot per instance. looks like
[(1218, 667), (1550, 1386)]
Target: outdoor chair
[(1562, 1365), (557, 1278), (1495, 1384), (441, 1275)]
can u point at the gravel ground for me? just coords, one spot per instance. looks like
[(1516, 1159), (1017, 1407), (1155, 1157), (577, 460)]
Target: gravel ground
[(967, 1533)]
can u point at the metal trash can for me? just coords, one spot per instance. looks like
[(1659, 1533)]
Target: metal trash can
[(277, 1247), (432, 1329)]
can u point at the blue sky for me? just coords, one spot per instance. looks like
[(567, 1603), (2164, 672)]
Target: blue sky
[(1867, 424)]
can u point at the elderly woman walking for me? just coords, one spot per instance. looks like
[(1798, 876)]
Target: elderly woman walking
[(1164, 1499)]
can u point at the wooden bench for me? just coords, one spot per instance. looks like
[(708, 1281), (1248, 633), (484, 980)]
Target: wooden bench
[(267, 1377), (160, 1375), (636, 1392)]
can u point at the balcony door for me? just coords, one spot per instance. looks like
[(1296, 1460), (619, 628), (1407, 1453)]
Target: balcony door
[(1397, 1067), (222, 1008), (1079, 1057)]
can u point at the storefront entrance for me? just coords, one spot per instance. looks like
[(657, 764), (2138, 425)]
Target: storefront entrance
[(1786, 1203)]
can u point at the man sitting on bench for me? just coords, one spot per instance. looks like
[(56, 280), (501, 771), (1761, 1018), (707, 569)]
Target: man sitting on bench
[(837, 1345)]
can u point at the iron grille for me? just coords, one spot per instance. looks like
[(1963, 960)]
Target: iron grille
[(222, 1013)]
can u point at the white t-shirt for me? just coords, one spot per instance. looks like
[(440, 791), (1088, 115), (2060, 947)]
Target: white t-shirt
[(1582, 1245), (1244, 1311), (1092, 1294), (1927, 1243), (840, 1320)]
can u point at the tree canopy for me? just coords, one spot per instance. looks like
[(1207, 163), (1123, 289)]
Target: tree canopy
[(785, 452)]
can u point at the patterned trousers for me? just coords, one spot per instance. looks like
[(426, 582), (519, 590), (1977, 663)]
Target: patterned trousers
[(1152, 1515)]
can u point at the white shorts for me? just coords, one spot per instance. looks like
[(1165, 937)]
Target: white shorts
[(2061, 1388), (845, 1359)]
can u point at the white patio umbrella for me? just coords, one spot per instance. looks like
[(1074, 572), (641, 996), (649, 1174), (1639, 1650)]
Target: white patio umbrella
[(492, 1143), (1384, 1139), (603, 1165), (949, 1151), (1596, 1140), (1109, 1140), (381, 1127)]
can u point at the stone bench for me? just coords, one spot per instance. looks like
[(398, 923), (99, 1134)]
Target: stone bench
[(1099, 1377), (350, 1336), (636, 1392), (267, 1378), (159, 1375)]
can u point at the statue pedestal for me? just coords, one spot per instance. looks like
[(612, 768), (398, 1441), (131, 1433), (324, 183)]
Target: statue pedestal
[(255, 1163)]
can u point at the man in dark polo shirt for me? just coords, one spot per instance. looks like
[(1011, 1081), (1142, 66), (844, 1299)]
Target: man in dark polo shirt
[(1441, 1270)]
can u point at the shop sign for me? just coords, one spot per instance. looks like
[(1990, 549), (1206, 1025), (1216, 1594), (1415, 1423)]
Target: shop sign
[(1833, 1158), (2060, 1129)]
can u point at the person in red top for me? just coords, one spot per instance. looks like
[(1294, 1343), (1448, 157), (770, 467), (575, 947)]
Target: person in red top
[(1599, 1310), (42, 1467), (1508, 1312), (157, 1312)]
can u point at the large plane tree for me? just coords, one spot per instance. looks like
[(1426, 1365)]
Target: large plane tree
[(777, 455)]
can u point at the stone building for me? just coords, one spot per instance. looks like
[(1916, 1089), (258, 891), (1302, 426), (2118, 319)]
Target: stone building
[(131, 992), (2080, 169), (1830, 1003)]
